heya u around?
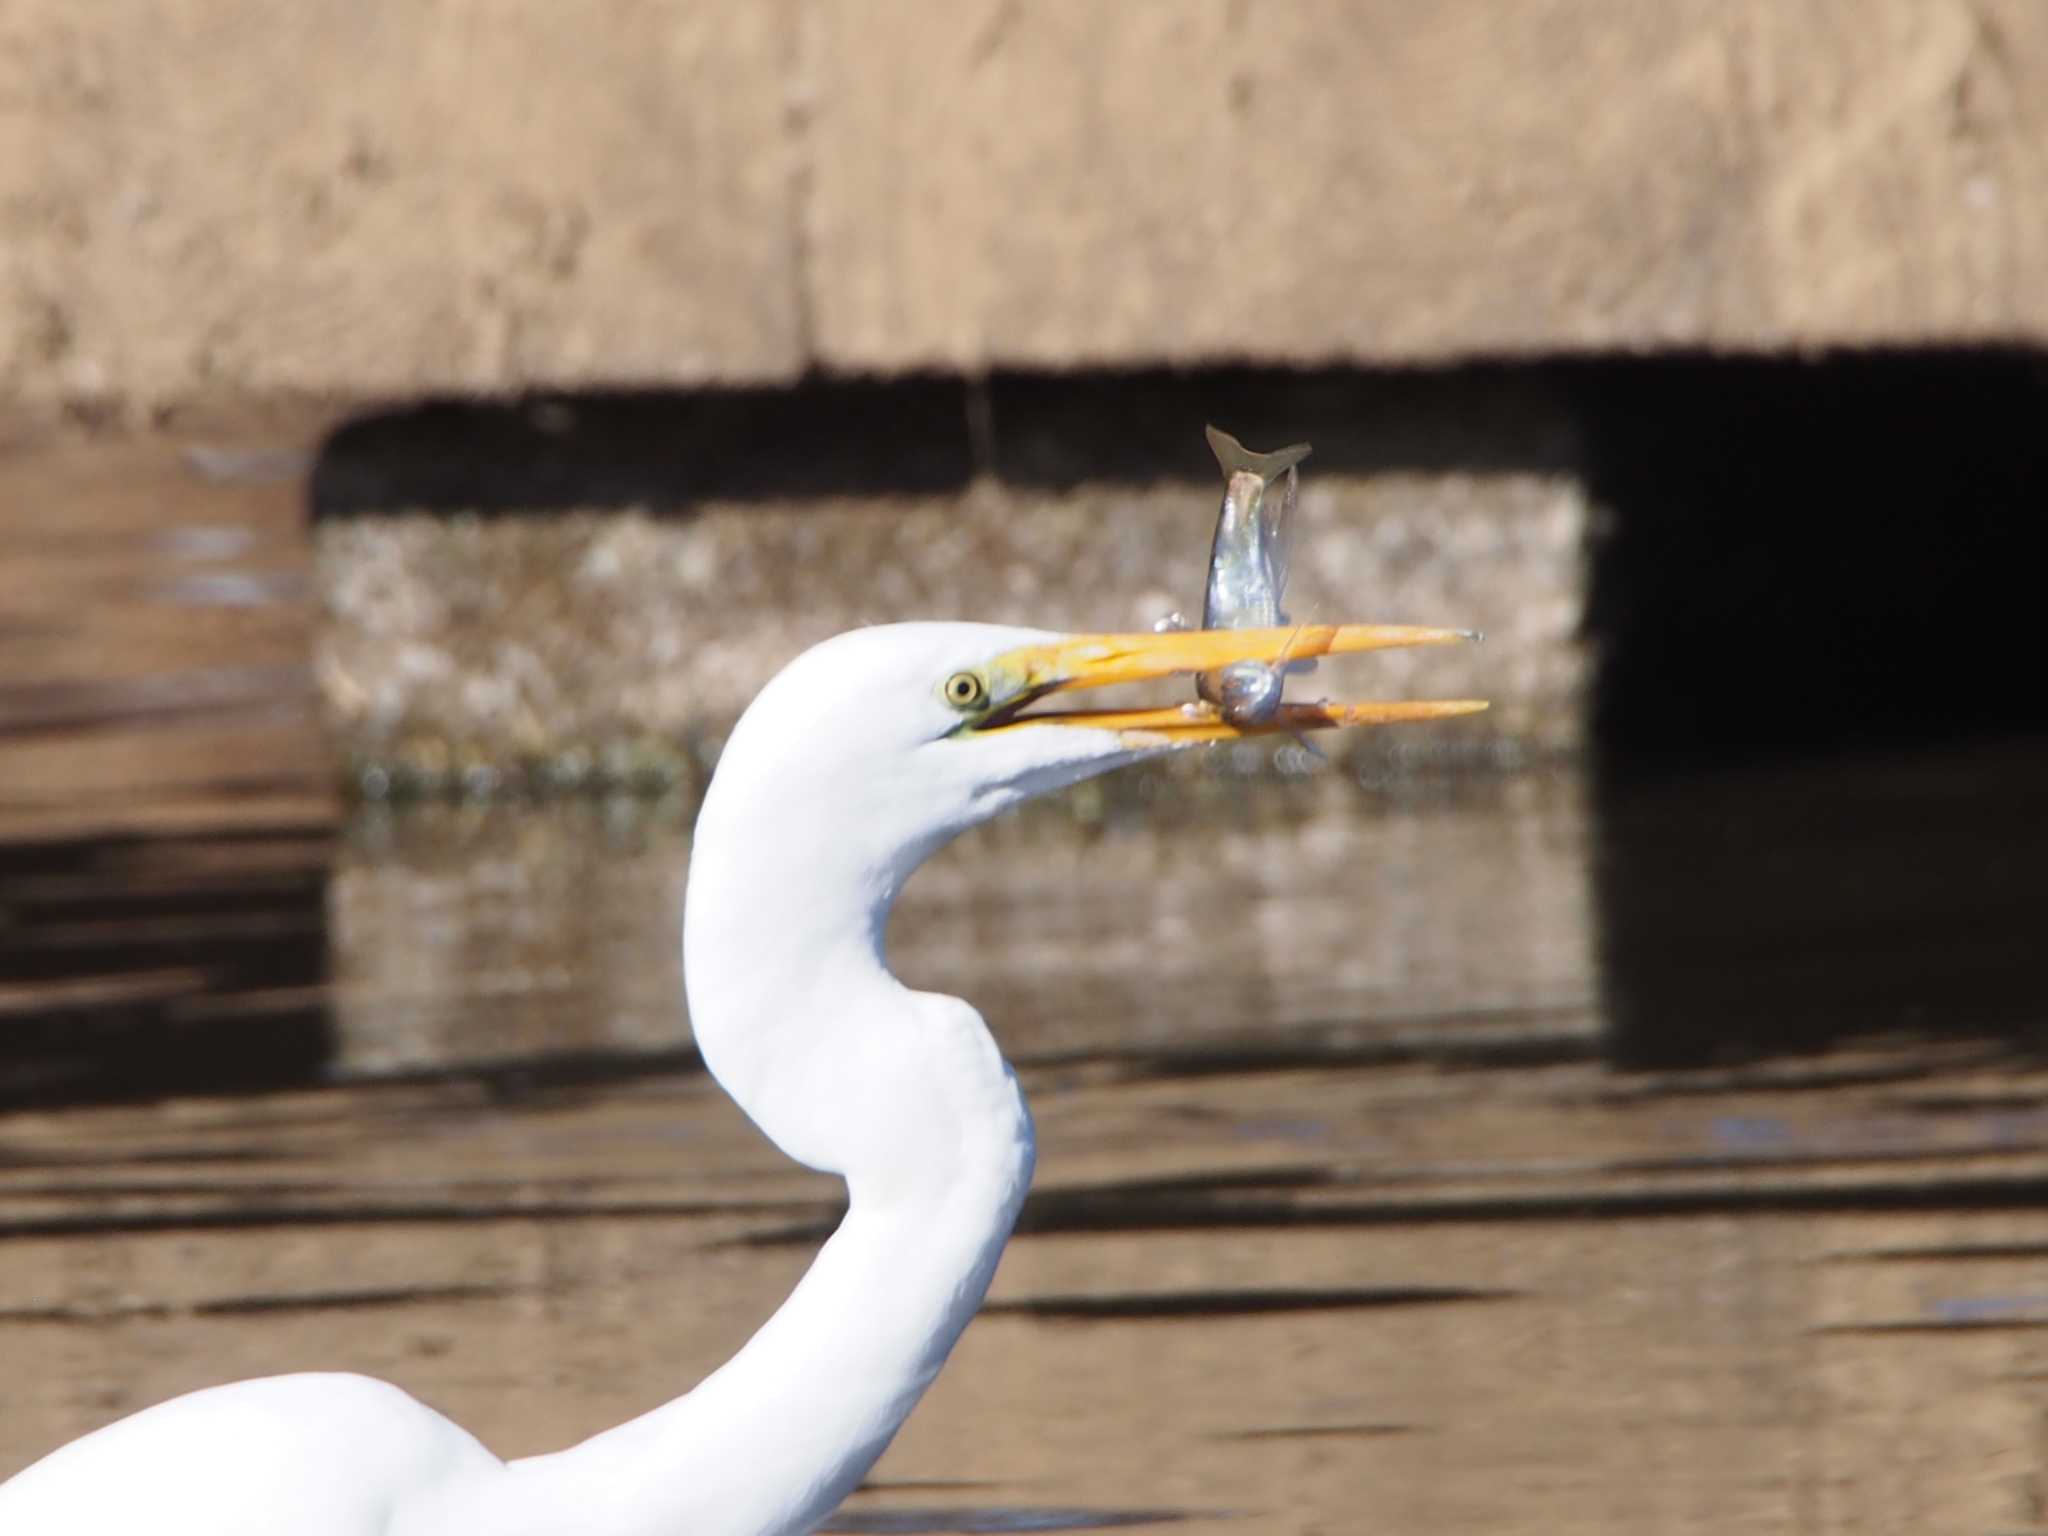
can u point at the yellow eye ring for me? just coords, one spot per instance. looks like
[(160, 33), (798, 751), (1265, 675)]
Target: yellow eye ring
[(966, 690)]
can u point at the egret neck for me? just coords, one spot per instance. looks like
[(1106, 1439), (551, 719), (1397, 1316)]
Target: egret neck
[(904, 1094)]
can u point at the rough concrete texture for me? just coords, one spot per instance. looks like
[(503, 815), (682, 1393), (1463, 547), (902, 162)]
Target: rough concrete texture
[(1392, 181), (228, 197), (526, 636), (376, 197)]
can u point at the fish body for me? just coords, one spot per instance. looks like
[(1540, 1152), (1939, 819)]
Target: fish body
[(1248, 570)]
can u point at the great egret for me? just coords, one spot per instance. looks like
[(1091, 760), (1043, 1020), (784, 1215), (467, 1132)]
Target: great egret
[(856, 763)]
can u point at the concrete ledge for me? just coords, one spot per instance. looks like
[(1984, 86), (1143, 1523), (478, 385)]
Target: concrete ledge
[(372, 199)]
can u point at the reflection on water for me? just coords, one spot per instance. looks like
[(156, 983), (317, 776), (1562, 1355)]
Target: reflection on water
[(489, 933), (1364, 1200), (1156, 916), (1679, 921), (1785, 907)]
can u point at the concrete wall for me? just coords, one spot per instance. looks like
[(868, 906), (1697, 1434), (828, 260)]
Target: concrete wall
[(375, 198), (533, 636)]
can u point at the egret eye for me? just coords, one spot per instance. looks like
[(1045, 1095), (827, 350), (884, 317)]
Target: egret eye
[(966, 690)]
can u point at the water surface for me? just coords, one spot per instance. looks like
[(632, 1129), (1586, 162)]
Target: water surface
[(1362, 1204)]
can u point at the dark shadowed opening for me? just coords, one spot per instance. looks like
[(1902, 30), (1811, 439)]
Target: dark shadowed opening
[(1836, 554), (1823, 742)]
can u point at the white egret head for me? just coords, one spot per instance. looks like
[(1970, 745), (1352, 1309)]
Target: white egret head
[(905, 734)]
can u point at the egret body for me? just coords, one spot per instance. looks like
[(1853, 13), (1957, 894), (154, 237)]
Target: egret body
[(856, 763)]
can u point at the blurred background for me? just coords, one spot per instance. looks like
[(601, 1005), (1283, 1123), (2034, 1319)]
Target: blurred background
[(423, 427)]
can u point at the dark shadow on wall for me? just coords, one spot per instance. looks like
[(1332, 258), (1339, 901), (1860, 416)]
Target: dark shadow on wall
[(927, 436), (664, 451)]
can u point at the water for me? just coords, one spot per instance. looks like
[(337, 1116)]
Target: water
[(1396, 1171), (1148, 917)]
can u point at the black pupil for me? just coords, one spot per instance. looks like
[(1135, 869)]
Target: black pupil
[(964, 689)]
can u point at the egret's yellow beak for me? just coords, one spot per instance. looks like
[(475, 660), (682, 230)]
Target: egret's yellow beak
[(1024, 676)]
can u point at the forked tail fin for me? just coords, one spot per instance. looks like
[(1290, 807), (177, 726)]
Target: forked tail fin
[(1233, 456)]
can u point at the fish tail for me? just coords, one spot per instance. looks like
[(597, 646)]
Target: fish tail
[(1234, 457)]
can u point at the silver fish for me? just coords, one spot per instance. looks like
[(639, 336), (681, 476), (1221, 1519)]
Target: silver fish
[(1248, 570)]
